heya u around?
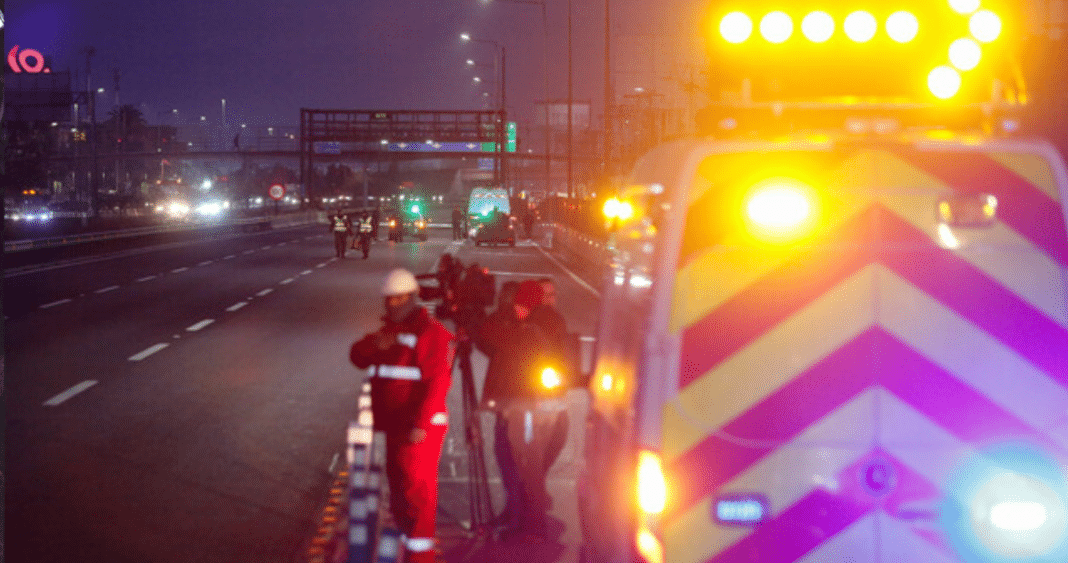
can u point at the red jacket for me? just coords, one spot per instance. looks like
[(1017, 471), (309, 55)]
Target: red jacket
[(409, 380)]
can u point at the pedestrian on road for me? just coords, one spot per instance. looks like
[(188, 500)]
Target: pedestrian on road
[(457, 223), (366, 230), (376, 216), (342, 228), (410, 360)]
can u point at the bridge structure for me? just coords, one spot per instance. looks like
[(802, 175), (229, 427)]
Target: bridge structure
[(328, 133)]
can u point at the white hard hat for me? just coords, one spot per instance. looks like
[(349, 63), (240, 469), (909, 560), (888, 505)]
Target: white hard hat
[(400, 282)]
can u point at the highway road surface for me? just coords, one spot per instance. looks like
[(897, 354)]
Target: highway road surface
[(186, 403)]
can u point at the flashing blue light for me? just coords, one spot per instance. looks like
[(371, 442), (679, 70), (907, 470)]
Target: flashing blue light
[(415, 209), (746, 509), (1008, 503)]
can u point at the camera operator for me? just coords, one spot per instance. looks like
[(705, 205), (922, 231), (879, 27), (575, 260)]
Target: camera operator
[(527, 407)]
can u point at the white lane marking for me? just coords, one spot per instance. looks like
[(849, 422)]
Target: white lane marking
[(200, 325), (146, 278), (179, 270), (230, 257), (305, 272), (281, 244), (204, 263), (333, 462), (323, 265), (334, 259), (236, 306), (286, 281), (58, 399), (264, 292), (55, 303), (248, 252), (573, 275), (265, 247), (148, 352), (107, 289)]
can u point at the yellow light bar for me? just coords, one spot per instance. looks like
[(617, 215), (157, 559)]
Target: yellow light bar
[(735, 27), (860, 26), (776, 27), (902, 26), (964, 7), (965, 54), (944, 82), (817, 26), (985, 26)]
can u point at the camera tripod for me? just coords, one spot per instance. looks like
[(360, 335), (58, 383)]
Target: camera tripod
[(479, 499)]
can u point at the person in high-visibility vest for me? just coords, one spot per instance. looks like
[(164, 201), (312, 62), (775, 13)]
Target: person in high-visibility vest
[(366, 230), (409, 363), (342, 228)]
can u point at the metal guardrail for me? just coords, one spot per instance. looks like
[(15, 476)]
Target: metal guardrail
[(352, 527), (68, 240)]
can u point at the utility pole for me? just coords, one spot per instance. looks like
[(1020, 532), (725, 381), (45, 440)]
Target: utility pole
[(609, 169), (120, 122), (570, 103), (94, 180), (503, 127)]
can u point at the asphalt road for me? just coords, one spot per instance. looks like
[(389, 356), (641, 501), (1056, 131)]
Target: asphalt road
[(185, 403)]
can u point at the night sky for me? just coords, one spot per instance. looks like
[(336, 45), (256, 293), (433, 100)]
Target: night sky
[(269, 58)]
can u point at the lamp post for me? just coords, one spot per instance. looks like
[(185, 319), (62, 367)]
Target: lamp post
[(500, 144), (545, 72)]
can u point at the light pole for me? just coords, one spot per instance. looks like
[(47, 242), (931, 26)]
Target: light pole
[(545, 74), (503, 112)]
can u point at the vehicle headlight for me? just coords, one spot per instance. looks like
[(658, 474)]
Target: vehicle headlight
[(209, 209), (177, 209)]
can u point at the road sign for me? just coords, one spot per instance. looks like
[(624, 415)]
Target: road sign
[(277, 191), (327, 147)]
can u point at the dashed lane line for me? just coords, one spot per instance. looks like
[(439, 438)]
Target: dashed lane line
[(59, 399), (179, 270), (200, 325), (56, 303), (236, 306), (248, 252), (264, 292), (230, 257), (265, 247), (148, 352), (286, 281), (323, 265), (146, 278), (107, 289), (305, 272), (205, 263)]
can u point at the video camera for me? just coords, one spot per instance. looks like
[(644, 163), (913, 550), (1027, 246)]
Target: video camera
[(465, 293)]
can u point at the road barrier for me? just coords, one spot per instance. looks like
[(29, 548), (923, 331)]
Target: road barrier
[(245, 224)]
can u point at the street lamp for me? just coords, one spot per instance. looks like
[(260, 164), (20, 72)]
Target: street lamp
[(545, 71), (466, 37)]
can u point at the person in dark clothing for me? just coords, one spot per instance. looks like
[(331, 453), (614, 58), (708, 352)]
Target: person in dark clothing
[(457, 224), (547, 317), (515, 391), (375, 217)]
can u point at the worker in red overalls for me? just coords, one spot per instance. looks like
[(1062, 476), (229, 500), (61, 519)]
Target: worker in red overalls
[(410, 366)]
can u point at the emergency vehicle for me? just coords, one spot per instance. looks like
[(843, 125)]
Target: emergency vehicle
[(835, 344)]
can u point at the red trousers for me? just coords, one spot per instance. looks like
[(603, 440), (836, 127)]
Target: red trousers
[(412, 470)]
